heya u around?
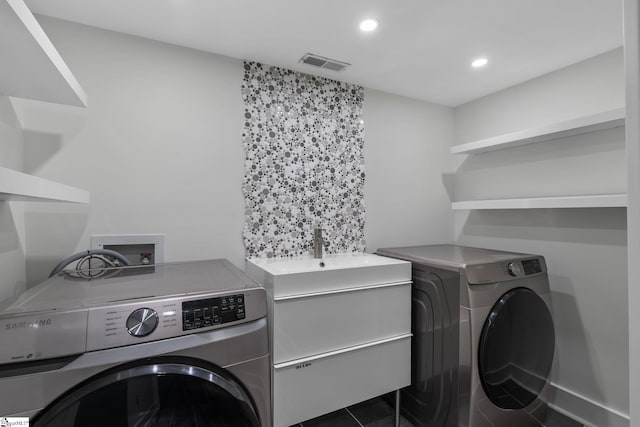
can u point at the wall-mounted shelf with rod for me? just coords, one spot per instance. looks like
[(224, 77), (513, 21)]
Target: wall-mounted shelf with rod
[(591, 201), (16, 185), (32, 68), (590, 123)]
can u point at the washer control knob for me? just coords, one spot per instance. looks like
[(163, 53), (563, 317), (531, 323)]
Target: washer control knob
[(513, 269), (142, 321)]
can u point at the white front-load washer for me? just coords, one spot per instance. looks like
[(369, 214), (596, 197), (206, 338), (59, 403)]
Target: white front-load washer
[(484, 337), (181, 344)]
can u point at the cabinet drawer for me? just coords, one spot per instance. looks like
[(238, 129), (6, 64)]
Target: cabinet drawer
[(305, 326), (308, 388)]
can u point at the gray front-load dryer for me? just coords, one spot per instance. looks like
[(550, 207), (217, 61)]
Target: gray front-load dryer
[(483, 334), (182, 344)]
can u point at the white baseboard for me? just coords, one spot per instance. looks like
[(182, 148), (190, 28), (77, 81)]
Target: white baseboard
[(585, 410)]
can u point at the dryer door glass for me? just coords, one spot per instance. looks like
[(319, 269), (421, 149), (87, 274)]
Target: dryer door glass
[(516, 349), (164, 393)]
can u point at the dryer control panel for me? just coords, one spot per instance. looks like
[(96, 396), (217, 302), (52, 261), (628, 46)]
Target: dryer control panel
[(212, 311), (531, 266), (503, 271)]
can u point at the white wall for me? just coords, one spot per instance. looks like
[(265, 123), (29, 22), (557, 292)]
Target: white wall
[(407, 162), (12, 257), (585, 248), (159, 148), (632, 98), (586, 87)]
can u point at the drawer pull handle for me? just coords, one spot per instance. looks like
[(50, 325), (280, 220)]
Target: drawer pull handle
[(337, 352), (339, 291)]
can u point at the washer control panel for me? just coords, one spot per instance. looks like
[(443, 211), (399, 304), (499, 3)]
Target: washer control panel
[(212, 311), (134, 322)]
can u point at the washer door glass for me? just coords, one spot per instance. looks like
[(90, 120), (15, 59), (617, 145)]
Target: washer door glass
[(165, 392), (516, 349)]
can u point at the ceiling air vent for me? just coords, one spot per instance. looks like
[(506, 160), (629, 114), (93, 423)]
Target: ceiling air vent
[(322, 62)]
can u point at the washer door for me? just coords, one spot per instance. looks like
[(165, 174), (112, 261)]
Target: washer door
[(156, 392), (516, 349)]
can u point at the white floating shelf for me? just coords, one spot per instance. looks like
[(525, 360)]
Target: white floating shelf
[(32, 68), (592, 201), (591, 123), (16, 185)]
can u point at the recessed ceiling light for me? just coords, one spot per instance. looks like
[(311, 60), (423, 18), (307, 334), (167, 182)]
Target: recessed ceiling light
[(479, 63), (369, 24)]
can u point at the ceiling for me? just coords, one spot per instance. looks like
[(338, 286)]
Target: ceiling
[(422, 49)]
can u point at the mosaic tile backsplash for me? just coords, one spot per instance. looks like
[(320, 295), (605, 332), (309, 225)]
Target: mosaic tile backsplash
[(303, 138)]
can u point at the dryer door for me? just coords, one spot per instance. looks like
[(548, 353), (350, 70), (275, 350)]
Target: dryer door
[(516, 349), (155, 392)]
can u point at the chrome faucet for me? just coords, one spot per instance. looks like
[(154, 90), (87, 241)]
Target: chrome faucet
[(318, 243)]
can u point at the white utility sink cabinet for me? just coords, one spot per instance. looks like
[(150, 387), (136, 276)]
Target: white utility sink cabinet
[(340, 330)]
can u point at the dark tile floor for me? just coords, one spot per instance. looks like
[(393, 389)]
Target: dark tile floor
[(556, 419), (378, 413)]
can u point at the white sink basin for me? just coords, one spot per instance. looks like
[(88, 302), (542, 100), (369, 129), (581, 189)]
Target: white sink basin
[(296, 276)]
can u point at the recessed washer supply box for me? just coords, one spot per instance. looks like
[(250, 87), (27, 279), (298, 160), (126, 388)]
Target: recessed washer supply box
[(340, 330)]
